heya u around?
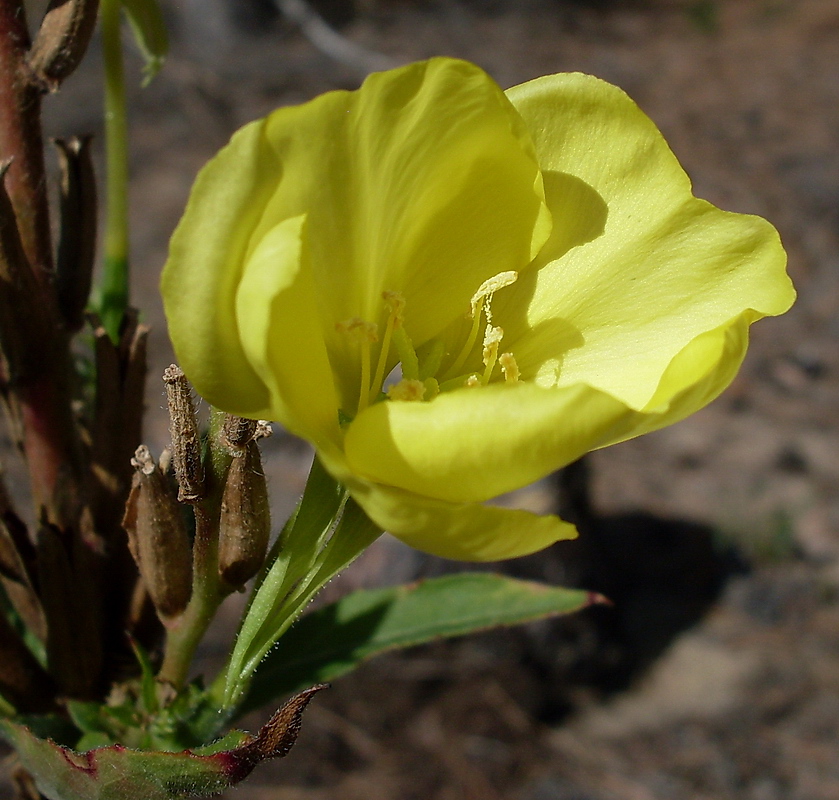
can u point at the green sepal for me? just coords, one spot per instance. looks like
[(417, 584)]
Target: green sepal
[(326, 533)]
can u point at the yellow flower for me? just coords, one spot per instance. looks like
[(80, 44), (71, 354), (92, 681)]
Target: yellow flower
[(452, 291)]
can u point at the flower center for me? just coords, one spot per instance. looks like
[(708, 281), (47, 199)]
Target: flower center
[(425, 379)]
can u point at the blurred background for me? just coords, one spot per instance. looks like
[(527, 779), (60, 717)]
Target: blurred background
[(716, 673)]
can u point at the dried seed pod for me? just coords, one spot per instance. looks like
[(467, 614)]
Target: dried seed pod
[(61, 41), (238, 431), (245, 523), (77, 243), (157, 537), (186, 443)]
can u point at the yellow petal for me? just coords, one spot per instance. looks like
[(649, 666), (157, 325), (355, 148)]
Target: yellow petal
[(472, 444), (424, 182), (636, 268), (466, 532), (206, 258), (720, 352), (276, 312)]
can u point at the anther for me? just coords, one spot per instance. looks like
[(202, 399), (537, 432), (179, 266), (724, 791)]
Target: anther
[(492, 338), (509, 367), (407, 390), (489, 287), (396, 303), (481, 302), (358, 329)]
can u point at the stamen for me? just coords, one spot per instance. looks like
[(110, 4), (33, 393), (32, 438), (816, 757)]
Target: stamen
[(472, 382), (407, 354), (470, 343), (365, 333), (407, 390), (492, 338), (396, 303), (483, 297), (509, 367), (482, 301)]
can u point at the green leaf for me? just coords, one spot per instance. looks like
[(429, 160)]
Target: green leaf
[(148, 685), (116, 772), (334, 639), (87, 717), (149, 30)]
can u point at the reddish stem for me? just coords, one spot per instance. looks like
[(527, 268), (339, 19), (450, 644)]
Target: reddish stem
[(21, 139), (41, 379)]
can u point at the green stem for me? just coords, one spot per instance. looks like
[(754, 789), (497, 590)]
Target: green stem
[(113, 298), (184, 634), (208, 592)]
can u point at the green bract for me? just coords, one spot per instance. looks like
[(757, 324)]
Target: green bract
[(532, 263)]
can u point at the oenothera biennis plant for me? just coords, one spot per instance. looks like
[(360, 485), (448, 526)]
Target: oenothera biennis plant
[(452, 291)]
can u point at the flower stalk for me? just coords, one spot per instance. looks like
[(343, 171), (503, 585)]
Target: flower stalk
[(114, 289)]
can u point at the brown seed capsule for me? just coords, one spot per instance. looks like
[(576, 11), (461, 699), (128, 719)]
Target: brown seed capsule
[(186, 443), (238, 431), (157, 537), (245, 523), (77, 243), (61, 41)]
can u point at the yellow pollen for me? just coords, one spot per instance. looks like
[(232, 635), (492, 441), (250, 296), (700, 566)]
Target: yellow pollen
[(396, 304), (492, 338), (407, 390), (483, 297), (472, 381), (481, 302), (509, 367), (359, 330)]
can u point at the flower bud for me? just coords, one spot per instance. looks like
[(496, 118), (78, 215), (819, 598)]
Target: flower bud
[(245, 523), (157, 537)]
